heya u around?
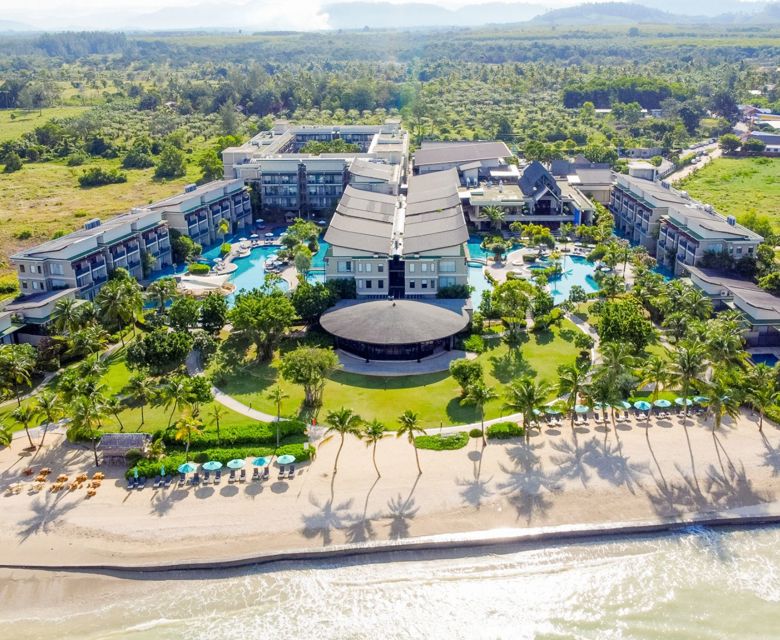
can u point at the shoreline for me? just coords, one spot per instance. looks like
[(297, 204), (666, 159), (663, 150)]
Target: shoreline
[(560, 534)]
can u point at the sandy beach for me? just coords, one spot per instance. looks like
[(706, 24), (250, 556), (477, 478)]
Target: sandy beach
[(558, 478)]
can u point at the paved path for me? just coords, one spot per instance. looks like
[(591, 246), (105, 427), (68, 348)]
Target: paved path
[(432, 364), (692, 168)]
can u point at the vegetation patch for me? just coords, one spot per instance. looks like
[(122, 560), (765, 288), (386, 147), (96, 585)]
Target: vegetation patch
[(446, 442)]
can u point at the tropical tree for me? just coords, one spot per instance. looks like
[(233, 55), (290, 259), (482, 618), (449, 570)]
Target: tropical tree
[(174, 393), (86, 423), (479, 394), (525, 396), (724, 396), (217, 413), (88, 341), (689, 363), (262, 318), (571, 382), (66, 315), (762, 390), (160, 292), (310, 368), (24, 415), (48, 407), (277, 395), (17, 364), (186, 427), (342, 421), (373, 432), (119, 304), (141, 389), (495, 214), (6, 435), (655, 371), (409, 423), (114, 406)]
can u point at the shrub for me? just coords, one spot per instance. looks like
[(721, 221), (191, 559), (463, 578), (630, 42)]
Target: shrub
[(474, 343), (475, 433), (12, 162), (24, 234), (77, 159), (454, 291), (224, 249), (97, 176), (505, 431), (529, 258), (256, 433), (446, 442), (198, 268)]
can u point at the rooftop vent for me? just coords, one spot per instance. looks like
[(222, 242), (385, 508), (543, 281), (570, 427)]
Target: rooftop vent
[(92, 224), (190, 188), (731, 220)]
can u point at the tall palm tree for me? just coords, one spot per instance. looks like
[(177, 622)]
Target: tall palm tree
[(160, 292), (724, 396), (24, 415), (567, 230), (617, 358), (342, 421), (120, 303), (6, 435), (67, 317), (140, 387), (113, 406), (409, 423), (88, 341), (174, 393), (86, 423), (655, 371), (48, 407), (93, 367), (571, 381), (17, 363), (495, 214), (689, 363), (526, 395), (277, 395), (479, 394), (217, 413), (373, 432), (186, 427), (762, 390)]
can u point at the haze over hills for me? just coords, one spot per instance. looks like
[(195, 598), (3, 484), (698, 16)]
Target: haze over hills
[(270, 15)]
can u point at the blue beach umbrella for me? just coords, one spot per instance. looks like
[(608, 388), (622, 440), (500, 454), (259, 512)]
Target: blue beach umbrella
[(537, 412), (212, 465), (701, 399), (624, 404), (188, 467), (642, 405), (581, 408), (662, 403), (683, 401), (135, 473), (162, 471), (260, 462), (236, 464), (286, 459), (552, 411)]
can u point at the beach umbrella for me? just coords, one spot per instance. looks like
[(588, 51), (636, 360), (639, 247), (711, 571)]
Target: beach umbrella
[(642, 405), (162, 471), (260, 462), (601, 405), (236, 464), (322, 222), (135, 473), (269, 235), (581, 408), (260, 220), (212, 465), (254, 236), (624, 404), (701, 399), (552, 411), (188, 467), (683, 402), (285, 459), (663, 404), (537, 412), (242, 239)]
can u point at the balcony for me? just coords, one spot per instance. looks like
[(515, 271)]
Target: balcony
[(84, 281)]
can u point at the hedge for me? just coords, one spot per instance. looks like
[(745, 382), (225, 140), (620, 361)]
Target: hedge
[(773, 413), (505, 430), (259, 433), (442, 443), (198, 268)]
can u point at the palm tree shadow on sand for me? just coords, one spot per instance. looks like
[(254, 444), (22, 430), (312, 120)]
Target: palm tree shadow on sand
[(330, 516), (475, 489), (528, 486), (361, 526), (46, 515), (400, 512)]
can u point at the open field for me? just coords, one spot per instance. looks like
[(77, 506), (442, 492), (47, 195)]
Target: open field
[(15, 122), (435, 397), (735, 186)]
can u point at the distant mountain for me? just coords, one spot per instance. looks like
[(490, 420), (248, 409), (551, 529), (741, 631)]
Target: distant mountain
[(376, 15), (709, 8), (12, 25), (607, 13)]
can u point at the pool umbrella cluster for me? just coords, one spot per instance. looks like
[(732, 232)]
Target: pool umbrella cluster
[(212, 465), (662, 403)]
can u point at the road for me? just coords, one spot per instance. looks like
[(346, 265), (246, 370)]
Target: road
[(712, 151)]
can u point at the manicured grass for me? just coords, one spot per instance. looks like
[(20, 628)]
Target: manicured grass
[(735, 186), (446, 442), (15, 122), (45, 199), (435, 397)]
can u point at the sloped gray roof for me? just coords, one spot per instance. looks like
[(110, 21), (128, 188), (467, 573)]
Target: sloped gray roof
[(123, 441), (363, 220), (374, 170), (460, 153), (392, 321), (766, 138), (535, 178)]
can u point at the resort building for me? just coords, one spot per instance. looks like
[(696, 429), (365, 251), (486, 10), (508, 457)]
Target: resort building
[(299, 184), (84, 259), (760, 310), (8, 328), (533, 194), (771, 140), (30, 315), (675, 229), (200, 210), (406, 246), (473, 160), (593, 179)]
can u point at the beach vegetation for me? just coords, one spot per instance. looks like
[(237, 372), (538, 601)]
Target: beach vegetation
[(445, 442)]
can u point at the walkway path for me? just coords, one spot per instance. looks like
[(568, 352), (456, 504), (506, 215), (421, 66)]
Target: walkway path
[(432, 364)]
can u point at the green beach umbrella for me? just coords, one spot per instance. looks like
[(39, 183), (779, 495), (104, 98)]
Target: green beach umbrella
[(662, 403), (683, 401), (260, 462), (188, 467), (701, 399), (286, 459), (642, 405), (212, 465), (236, 464), (581, 408), (601, 405)]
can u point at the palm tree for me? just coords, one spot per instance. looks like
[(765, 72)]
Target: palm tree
[(49, 408), (88, 341), (17, 363), (571, 381), (526, 395), (479, 394), (410, 426), (119, 304), (93, 367), (724, 397), (617, 358), (86, 423), (373, 432), (342, 421), (224, 227), (567, 230), (655, 372), (141, 389), (186, 427), (113, 406), (67, 316), (688, 365), (494, 214), (277, 395), (160, 292), (762, 390), (174, 393), (24, 415), (6, 435), (217, 413)]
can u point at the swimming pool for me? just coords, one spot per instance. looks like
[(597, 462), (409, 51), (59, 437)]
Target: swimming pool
[(764, 358), (479, 282), (576, 271)]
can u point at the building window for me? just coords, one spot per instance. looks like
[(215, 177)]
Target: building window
[(447, 266), (56, 269), (21, 268), (380, 284), (368, 284), (411, 284), (433, 267), (380, 268), (411, 267), (424, 284), (344, 266), (368, 267), (433, 284), (447, 281), (24, 285), (750, 250), (360, 284), (424, 267), (360, 266)]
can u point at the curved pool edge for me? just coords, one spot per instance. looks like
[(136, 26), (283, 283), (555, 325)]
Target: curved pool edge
[(756, 515)]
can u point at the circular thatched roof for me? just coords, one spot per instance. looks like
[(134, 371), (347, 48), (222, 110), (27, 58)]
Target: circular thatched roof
[(393, 322)]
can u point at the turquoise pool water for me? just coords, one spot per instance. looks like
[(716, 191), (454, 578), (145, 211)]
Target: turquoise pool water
[(764, 358), (479, 282), (576, 271)]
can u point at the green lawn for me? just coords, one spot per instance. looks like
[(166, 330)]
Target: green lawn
[(15, 122), (435, 397), (735, 186)]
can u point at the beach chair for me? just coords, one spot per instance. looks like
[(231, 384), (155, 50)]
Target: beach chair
[(131, 483), (182, 478), (195, 479), (291, 472), (218, 476), (141, 483), (232, 477), (266, 473), (242, 476), (206, 477), (281, 472), (167, 481), (256, 475), (157, 482)]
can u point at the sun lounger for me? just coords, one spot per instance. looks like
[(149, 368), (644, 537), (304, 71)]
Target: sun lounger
[(256, 475), (157, 482), (206, 477), (596, 416), (232, 477), (266, 473), (167, 481), (218, 476), (182, 478), (242, 476), (195, 480), (141, 483), (281, 472), (131, 483), (291, 472)]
